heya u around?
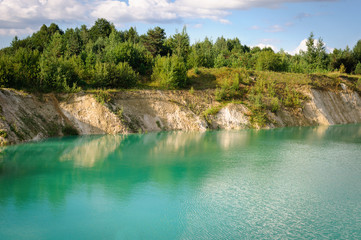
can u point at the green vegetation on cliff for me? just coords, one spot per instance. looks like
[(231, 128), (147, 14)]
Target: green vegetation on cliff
[(103, 57)]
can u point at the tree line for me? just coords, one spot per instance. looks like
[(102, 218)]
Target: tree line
[(103, 57)]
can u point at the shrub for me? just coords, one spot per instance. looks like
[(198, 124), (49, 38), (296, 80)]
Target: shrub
[(228, 90), (117, 76), (170, 72), (268, 61), (191, 91), (220, 61), (122, 76), (358, 68), (275, 105), (136, 55), (291, 98), (102, 96), (358, 84), (342, 68), (57, 74)]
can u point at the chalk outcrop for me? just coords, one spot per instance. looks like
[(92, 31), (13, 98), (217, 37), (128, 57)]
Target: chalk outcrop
[(26, 117)]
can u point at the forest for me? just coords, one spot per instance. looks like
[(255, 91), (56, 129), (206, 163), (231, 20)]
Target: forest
[(103, 57)]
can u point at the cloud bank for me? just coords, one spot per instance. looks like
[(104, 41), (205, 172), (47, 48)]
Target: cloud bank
[(22, 15)]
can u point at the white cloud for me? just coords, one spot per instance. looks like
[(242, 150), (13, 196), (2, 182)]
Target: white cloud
[(198, 25), (13, 32), (275, 28), (303, 47), (18, 15)]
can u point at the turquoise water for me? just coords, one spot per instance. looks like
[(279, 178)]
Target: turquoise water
[(281, 183)]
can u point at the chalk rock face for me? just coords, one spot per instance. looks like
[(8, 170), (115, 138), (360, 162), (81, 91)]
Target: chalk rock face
[(335, 107), (233, 116), (90, 117), (26, 117)]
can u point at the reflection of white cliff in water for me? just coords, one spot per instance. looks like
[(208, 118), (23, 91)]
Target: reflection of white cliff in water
[(184, 143), (176, 143), (164, 159), (230, 139), (87, 153)]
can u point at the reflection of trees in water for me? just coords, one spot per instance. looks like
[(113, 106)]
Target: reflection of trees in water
[(118, 165), (115, 164)]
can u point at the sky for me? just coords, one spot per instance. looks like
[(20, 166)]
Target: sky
[(280, 24)]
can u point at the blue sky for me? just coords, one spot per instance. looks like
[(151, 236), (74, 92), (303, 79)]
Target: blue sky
[(280, 24)]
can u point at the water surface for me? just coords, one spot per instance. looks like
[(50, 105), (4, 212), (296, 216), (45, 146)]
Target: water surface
[(281, 183)]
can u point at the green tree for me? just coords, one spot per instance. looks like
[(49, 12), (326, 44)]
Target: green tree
[(342, 57), (135, 54), (357, 51), (40, 39), (101, 29), (358, 68), (179, 43), (6, 71), (311, 53), (170, 72), (322, 59), (201, 54), (154, 41), (132, 35), (268, 61), (121, 76), (56, 72), (73, 41), (84, 34), (26, 68), (315, 56), (220, 61), (220, 47)]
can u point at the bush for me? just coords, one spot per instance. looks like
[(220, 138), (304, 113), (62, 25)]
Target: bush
[(291, 98), (6, 71), (358, 84), (275, 105), (122, 76), (228, 90), (268, 61), (134, 54), (57, 74), (358, 68), (102, 96), (220, 61), (342, 68), (117, 76), (170, 72)]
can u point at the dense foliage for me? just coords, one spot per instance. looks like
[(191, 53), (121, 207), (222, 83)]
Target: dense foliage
[(103, 57)]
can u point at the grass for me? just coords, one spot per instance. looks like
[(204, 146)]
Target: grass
[(102, 96), (212, 111)]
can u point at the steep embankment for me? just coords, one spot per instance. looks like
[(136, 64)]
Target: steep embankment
[(25, 117)]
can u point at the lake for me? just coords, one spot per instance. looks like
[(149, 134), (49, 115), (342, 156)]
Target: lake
[(282, 183)]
